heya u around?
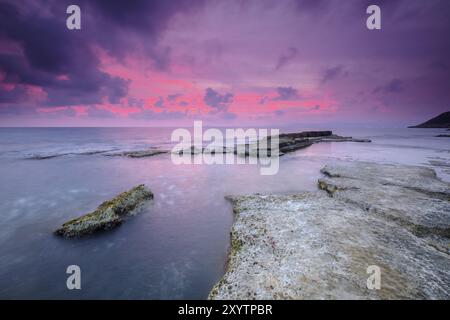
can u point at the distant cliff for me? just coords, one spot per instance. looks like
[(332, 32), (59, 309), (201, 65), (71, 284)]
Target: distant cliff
[(441, 121)]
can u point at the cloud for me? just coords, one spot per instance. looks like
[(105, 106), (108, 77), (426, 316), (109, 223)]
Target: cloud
[(63, 63), (286, 94), (263, 100), (133, 102), (49, 51), (96, 112), (217, 101), (145, 114), (173, 97), (287, 57), (229, 116), (159, 103), (16, 94), (393, 86), (333, 73)]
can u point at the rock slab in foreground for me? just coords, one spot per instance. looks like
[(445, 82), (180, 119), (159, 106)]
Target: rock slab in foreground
[(108, 215), (318, 245)]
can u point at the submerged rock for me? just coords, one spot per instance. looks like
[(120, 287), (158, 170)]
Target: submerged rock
[(45, 156), (138, 153), (108, 215), (318, 245)]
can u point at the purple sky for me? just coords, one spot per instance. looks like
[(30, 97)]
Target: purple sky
[(229, 62)]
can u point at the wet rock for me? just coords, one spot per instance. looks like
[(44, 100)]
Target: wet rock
[(306, 134), (108, 215), (45, 156), (139, 153), (318, 245), (290, 142), (296, 141)]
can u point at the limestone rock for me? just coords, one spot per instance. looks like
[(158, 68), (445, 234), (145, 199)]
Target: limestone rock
[(108, 215), (318, 245)]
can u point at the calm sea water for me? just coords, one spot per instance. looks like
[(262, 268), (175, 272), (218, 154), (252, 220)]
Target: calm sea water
[(176, 247)]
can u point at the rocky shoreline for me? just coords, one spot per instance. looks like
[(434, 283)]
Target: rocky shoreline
[(288, 142), (319, 245)]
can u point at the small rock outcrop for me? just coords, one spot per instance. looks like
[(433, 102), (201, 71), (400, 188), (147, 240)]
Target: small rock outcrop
[(108, 215), (319, 245)]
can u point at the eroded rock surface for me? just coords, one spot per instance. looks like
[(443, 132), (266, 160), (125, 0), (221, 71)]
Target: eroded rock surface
[(318, 245), (108, 215)]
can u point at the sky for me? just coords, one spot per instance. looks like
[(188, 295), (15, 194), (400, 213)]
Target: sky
[(229, 63)]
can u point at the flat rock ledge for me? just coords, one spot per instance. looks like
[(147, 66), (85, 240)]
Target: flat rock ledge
[(108, 215), (318, 245), (287, 142)]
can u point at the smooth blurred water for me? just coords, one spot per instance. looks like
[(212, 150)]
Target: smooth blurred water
[(176, 247)]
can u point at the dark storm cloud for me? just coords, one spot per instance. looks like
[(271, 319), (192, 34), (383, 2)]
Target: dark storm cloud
[(62, 61), (121, 25)]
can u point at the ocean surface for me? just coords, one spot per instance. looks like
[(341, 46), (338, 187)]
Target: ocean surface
[(176, 248)]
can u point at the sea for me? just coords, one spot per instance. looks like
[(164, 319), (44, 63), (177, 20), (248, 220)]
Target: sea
[(177, 246)]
